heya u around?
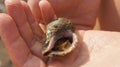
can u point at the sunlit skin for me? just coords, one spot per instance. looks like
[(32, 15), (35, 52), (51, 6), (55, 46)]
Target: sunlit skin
[(22, 31)]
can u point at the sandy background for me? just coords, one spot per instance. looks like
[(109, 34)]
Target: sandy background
[(4, 58)]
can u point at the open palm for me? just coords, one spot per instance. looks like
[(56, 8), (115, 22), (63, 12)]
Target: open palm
[(23, 36)]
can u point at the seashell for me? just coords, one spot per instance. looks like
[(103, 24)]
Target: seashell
[(61, 38)]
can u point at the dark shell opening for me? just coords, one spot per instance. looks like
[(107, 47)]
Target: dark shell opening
[(59, 43), (59, 40)]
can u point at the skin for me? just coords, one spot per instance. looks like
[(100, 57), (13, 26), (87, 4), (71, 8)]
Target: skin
[(109, 15), (20, 31)]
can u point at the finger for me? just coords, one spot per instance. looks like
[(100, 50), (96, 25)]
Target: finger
[(47, 11), (34, 6), (34, 62), (16, 11), (14, 43), (37, 31)]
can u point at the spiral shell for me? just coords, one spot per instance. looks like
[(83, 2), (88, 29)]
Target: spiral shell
[(61, 38)]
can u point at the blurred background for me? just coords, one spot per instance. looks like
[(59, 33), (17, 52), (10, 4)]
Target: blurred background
[(4, 58)]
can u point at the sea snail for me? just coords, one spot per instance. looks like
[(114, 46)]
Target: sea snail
[(61, 38)]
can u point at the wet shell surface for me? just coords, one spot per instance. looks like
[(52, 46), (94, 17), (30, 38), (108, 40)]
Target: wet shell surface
[(61, 38)]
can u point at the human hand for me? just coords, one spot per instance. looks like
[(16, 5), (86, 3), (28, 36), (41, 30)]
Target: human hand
[(20, 33), (29, 56), (83, 19), (22, 24), (22, 46)]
